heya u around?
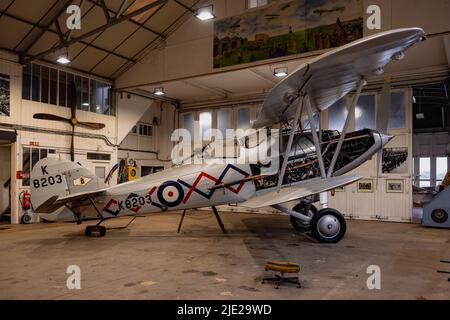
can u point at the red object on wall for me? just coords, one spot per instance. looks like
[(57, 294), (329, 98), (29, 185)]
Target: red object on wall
[(22, 175), (26, 200)]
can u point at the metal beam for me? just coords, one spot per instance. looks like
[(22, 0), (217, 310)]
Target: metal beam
[(117, 16), (54, 32), (184, 6), (47, 27), (126, 38), (350, 114), (88, 34), (39, 21), (301, 100), (124, 67), (105, 10), (121, 8)]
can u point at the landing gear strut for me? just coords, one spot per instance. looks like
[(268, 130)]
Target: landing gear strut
[(308, 210), (100, 230)]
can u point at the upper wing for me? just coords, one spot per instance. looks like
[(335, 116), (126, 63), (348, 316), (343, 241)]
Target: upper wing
[(298, 190), (332, 75)]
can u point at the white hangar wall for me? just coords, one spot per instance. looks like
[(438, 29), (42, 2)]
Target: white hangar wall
[(39, 137)]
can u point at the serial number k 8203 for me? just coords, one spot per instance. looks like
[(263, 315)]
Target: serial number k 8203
[(245, 309)]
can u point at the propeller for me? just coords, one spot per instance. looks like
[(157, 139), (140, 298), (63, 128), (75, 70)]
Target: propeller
[(73, 121), (382, 121)]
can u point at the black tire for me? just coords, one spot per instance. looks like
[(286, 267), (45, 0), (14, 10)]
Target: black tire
[(88, 231), (102, 231), (301, 225), (330, 231), (26, 218)]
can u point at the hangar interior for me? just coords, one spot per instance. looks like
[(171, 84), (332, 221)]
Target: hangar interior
[(144, 68)]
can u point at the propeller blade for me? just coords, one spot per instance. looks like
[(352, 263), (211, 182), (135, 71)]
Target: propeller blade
[(385, 106), (72, 148), (91, 125), (47, 116), (72, 98)]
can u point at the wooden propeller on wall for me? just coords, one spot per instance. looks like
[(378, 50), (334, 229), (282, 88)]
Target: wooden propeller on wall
[(73, 121)]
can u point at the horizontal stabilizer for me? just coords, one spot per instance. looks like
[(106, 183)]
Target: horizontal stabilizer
[(297, 190)]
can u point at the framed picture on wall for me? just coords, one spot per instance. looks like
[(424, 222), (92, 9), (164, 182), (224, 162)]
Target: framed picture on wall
[(394, 186), (395, 160), (4, 95), (365, 186)]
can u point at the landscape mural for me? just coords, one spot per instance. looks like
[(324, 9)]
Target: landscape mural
[(286, 28)]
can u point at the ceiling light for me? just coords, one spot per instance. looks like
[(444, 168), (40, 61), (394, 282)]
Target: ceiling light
[(63, 58), (398, 56), (379, 71), (280, 72), (159, 91), (85, 104), (205, 13), (420, 116)]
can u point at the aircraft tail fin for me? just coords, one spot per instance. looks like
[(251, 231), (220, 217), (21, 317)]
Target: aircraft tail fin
[(53, 178)]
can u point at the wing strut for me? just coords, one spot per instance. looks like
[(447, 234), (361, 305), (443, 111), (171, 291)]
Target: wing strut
[(287, 152), (351, 112), (312, 124)]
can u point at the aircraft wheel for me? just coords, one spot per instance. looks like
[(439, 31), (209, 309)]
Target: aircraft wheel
[(88, 231), (102, 231), (299, 224), (328, 225)]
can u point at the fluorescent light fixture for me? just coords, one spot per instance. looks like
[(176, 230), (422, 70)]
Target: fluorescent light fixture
[(205, 13), (420, 116), (85, 104), (159, 91), (378, 71), (63, 59), (280, 72), (398, 56)]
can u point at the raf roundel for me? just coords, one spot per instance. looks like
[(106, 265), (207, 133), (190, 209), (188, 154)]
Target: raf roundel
[(170, 194)]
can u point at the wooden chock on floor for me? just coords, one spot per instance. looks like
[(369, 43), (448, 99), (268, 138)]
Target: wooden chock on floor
[(282, 268)]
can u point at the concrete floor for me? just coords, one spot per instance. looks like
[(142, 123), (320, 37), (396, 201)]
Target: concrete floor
[(149, 260)]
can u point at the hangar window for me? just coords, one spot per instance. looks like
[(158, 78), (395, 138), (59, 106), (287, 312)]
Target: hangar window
[(48, 85), (337, 114), (26, 82), (365, 113), (243, 118), (62, 88), (307, 123), (397, 111), (45, 79), (256, 3), (30, 156), (441, 169), (145, 130), (223, 121), (98, 156), (35, 82), (205, 122), (188, 122)]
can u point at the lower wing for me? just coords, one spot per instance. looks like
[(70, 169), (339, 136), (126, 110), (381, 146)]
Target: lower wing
[(297, 190)]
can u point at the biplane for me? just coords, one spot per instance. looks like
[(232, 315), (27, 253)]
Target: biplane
[(310, 163)]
